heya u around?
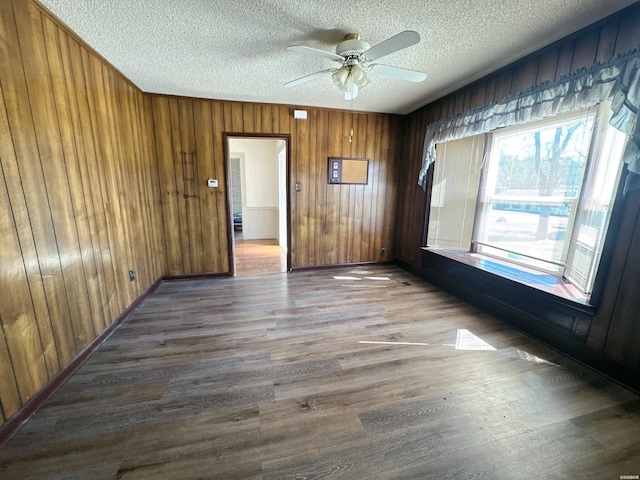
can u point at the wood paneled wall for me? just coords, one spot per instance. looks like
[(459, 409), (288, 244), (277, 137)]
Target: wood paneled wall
[(79, 204), (614, 330), (330, 224), (93, 184)]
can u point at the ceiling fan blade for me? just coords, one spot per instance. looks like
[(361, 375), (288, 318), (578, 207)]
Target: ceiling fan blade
[(397, 72), (316, 52), (306, 78), (397, 42)]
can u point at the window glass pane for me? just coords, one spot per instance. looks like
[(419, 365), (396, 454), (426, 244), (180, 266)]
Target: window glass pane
[(531, 190), (592, 219)]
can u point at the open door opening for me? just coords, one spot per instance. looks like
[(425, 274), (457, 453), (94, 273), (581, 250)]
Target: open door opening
[(258, 198)]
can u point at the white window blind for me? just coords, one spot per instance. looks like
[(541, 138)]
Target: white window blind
[(454, 193)]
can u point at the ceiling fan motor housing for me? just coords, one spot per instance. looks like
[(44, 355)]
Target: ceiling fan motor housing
[(352, 46)]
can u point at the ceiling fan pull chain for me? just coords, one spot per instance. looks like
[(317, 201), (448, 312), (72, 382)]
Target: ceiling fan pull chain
[(351, 131)]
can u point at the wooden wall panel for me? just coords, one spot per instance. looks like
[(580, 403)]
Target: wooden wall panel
[(504, 81), (614, 329), (300, 163), (525, 75), (565, 56), (78, 199), (50, 108), (17, 188), (623, 334), (585, 49), (548, 66), (627, 38), (320, 210), (203, 116), (19, 85), (71, 128), (330, 224), (95, 162), (313, 170), (370, 150), (26, 365), (624, 261), (335, 134), (93, 202), (411, 211)]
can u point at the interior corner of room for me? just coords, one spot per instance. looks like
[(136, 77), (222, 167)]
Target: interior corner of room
[(106, 196)]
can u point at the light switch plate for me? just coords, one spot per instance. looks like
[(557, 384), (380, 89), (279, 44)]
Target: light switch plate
[(212, 183)]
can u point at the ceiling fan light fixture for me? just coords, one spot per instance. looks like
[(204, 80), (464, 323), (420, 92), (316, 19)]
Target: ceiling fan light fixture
[(360, 76), (340, 76), (355, 56), (350, 79)]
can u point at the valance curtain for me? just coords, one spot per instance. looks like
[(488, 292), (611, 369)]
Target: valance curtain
[(617, 80)]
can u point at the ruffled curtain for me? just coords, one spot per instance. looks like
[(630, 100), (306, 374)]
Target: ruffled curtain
[(617, 80)]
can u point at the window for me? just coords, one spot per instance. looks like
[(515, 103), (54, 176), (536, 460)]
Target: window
[(455, 192), (542, 198)]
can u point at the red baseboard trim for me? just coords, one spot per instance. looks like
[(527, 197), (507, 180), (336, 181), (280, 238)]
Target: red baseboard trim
[(9, 428)]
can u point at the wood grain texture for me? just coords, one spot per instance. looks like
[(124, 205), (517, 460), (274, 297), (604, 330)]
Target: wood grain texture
[(210, 197), (330, 224), (267, 377), (258, 257), (76, 199), (409, 235), (93, 186), (615, 327)]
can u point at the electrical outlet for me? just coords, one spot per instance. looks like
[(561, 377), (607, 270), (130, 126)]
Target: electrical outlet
[(132, 274), (383, 252)]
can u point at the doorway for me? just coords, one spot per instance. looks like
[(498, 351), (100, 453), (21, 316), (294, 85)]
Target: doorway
[(258, 198)]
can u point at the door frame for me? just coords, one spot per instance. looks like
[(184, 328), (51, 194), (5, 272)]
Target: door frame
[(227, 174)]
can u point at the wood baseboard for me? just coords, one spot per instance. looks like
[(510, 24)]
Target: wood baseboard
[(196, 276), (13, 424), (339, 265)]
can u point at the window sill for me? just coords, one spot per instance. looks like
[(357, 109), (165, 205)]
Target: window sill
[(532, 278)]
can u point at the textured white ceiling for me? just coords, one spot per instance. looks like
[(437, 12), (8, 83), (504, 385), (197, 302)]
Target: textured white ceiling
[(236, 49)]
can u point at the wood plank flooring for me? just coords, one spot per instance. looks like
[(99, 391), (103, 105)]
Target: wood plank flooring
[(257, 257), (352, 373)]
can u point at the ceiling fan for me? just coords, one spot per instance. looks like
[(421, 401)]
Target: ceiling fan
[(355, 56)]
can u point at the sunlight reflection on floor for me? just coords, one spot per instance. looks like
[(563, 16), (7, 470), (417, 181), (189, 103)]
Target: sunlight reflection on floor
[(465, 340), (533, 358)]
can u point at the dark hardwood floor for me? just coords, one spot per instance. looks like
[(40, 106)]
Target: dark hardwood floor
[(352, 373)]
